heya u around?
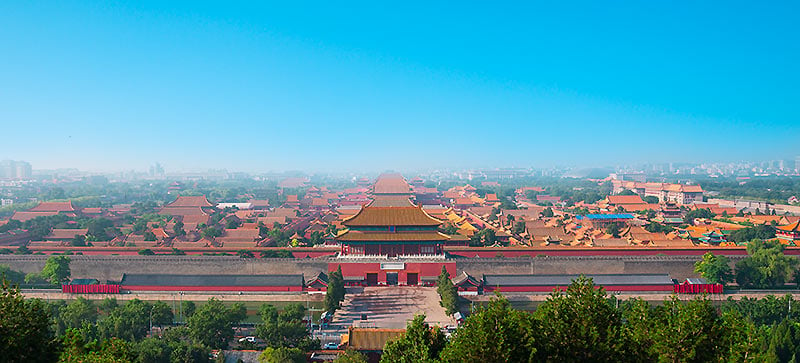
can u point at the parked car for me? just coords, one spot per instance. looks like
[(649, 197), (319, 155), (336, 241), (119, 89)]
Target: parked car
[(331, 345)]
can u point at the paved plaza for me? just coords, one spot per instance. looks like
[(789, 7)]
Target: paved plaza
[(390, 307)]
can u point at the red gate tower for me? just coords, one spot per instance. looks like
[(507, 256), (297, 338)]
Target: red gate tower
[(391, 225)]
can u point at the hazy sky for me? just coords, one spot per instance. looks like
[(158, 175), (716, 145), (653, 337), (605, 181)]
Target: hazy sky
[(122, 84)]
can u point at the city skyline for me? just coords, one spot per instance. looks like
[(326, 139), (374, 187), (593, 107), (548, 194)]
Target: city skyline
[(264, 87)]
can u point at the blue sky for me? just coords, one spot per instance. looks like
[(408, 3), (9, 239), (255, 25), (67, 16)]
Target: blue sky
[(120, 85)]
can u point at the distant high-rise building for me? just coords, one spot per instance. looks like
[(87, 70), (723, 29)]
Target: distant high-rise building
[(157, 170), (797, 164), (11, 169)]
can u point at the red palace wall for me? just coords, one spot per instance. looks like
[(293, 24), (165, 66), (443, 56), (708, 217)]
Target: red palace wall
[(698, 288), (609, 288), (594, 251), (212, 288), (423, 269), (90, 289)]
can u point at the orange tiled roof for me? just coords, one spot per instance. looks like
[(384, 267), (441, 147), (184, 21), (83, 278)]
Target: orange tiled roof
[(58, 233), (24, 216), (371, 339), (391, 184), (794, 227), (357, 236), (183, 211), (241, 233), (391, 216), (638, 207), (625, 199), (189, 201), (53, 207)]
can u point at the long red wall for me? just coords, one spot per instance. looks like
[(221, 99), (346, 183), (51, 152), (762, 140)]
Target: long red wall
[(211, 288), (610, 288), (594, 251)]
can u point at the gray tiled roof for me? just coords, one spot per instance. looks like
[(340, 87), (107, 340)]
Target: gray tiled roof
[(211, 280), (564, 280)]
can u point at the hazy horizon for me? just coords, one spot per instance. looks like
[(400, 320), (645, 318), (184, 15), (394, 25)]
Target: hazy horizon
[(244, 87)]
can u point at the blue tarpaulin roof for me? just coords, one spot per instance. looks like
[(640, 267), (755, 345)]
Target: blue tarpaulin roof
[(607, 216)]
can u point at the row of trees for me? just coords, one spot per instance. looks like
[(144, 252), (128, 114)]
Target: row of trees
[(766, 266), (447, 292), (336, 291), (585, 324), (85, 331)]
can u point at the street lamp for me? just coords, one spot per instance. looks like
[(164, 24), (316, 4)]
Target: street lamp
[(151, 319)]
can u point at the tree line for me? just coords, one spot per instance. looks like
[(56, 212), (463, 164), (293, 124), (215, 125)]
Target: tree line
[(585, 324), (32, 330), (765, 267)]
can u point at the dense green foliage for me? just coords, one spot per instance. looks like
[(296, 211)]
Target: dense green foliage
[(691, 215), (420, 343), (25, 333), (212, 324), (583, 324), (497, 333), (336, 291), (715, 269), (447, 292), (765, 266), (762, 232), (286, 328), (282, 355), (772, 189)]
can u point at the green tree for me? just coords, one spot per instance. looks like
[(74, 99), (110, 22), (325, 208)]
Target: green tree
[(765, 266), (449, 229), (582, 324), (13, 277), (496, 333), (78, 241), (212, 324), (743, 341), (698, 213), (685, 331), (101, 229), (178, 229), (282, 355), (715, 269), (25, 330), (649, 199), (762, 232), (447, 292), (161, 313), (285, 329), (613, 229), (419, 343), (146, 252), (74, 315), (149, 236), (188, 307), (77, 348), (130, 321), (336, 291), (519, 227), (56, 270)]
